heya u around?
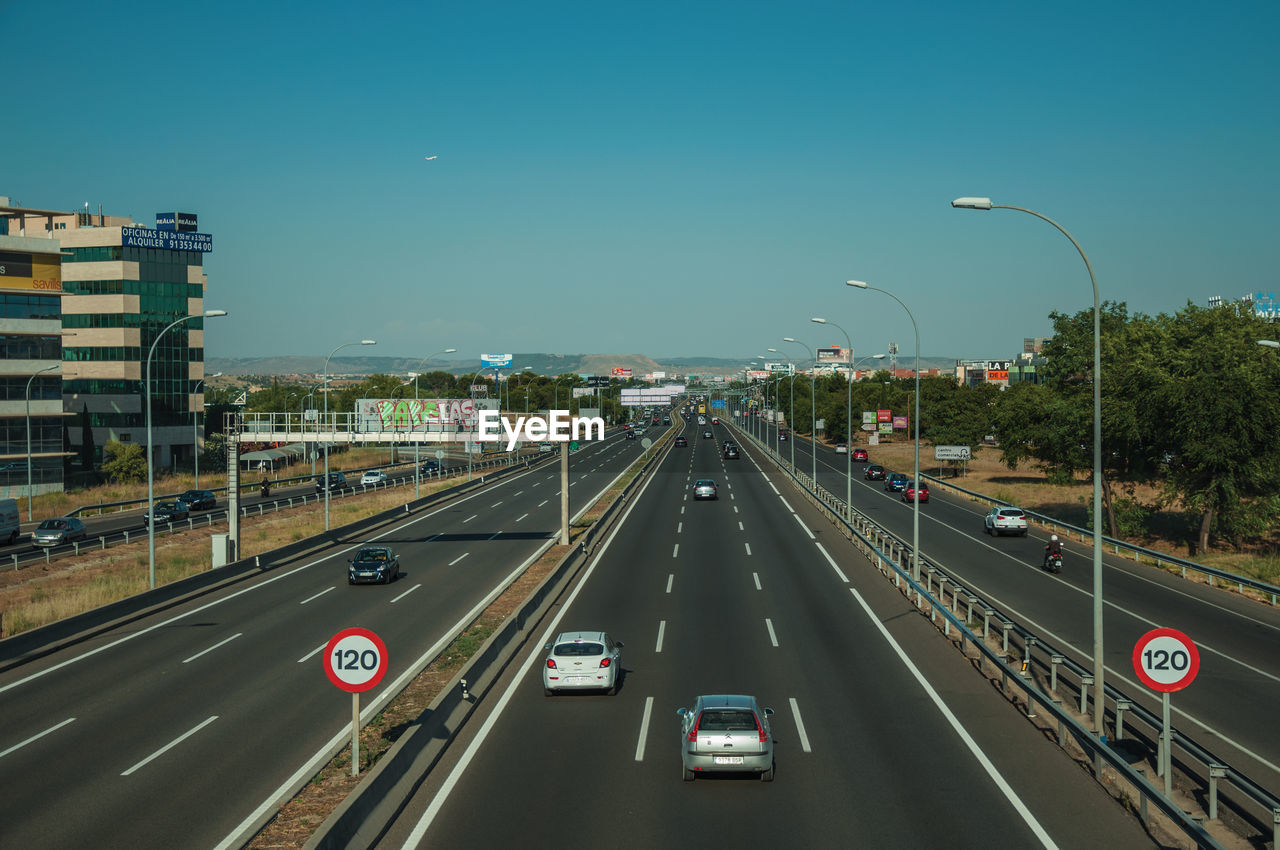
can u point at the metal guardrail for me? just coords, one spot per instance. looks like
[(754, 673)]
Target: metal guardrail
[(1138, 552), (892, 553)]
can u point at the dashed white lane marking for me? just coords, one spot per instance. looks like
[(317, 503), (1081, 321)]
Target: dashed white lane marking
[(317, 596), (773, 637), (517, 494), (774, 489), (543, 502), (832, 561), (313, 652), (36, 737), (406, 593), (682, 510), (679, 527), (662, 628), (671, 577), (812, 536), (735, 509), (675, 550), (178, 740), (468, 519), (804, 738), (644, 728), (495, 504), (522, 516), (756, 576), (740, 528), (748, 545), (731, 496), (212, 648), (459, 558), (784, 502)]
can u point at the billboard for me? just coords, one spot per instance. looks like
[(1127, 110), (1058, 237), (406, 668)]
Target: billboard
[(884, 416), (756, 375), (495, 361), (834, 354), (621, 372), (145, 237), (177, 222), (998, 370), (885, 427), (427, 414), (899, 423), (30, 271), (868, 417), (581, 392)]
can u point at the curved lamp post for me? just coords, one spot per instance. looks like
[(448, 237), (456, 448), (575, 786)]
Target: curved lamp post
[(791, 411), (327, 488), (813, 407), (30, 484), (151, 477), (915, 503), (848, 416), (417, 470), (195, 437), (1099, 692)]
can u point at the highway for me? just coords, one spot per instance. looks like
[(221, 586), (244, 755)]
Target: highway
[(1230, 706), (177, 730), (885, 736)]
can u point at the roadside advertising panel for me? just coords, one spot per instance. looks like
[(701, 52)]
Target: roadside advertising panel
[(495, 361), (899, 423), (176, 221), (145, 237), (30, 271), (884, 416), (835, 354), (620, 372), (868, 417), (659, 376), (885, 427), (427, 414), (998, 370), (756, 375), (579, 392)]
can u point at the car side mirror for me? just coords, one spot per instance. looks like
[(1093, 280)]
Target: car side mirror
[(682, 711), (619, 644), (547, 647), (768, 712)]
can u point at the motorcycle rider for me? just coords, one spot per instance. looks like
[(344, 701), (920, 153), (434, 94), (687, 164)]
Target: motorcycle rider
[(1051, 549)]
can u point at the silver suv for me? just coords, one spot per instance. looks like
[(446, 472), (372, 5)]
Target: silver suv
[(726, 733)]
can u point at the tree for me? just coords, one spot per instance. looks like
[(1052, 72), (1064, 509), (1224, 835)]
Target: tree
[(124, 462)]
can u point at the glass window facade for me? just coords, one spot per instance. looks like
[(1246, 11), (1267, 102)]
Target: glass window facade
[(30, 347), (43, 388), (14, 306)]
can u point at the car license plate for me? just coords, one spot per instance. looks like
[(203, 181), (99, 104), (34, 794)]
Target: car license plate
[(728, 759), (577, 680)]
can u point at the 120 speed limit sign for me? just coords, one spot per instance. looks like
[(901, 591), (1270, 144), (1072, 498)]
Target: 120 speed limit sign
[(1165, 660), (355, 660)]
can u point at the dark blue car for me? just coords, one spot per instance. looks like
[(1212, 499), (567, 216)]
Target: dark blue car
[(896, 482)]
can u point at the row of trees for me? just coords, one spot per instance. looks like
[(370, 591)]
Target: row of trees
[(1190, 404)]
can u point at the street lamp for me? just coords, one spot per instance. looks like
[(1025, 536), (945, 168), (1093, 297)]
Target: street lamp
[(915, 503), (195, 437), (813, 407), (151, 477), (848, 416), (30, 485), (1099, 713), (417, 473), (327, 488), (302, 425), (791, 410)]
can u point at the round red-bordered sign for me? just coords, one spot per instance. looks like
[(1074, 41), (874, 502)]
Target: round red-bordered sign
[(1165, 660), (355, 660)]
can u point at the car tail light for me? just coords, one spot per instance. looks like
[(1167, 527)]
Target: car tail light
[(693, 733), (604, 662), (551, 664), (764, 736)]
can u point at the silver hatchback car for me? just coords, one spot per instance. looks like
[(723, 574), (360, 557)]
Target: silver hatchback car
[(582, 661), (705, 488), (726, 733)]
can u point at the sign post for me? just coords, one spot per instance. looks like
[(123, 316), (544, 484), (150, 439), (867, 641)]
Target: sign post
[(1165, 660), (355, 660)]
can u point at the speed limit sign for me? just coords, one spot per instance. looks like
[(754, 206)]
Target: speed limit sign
[(1165, 660), (355, 660)]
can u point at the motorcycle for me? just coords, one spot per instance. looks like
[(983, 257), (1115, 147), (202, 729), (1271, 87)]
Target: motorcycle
[(266, 489), (1053, 563)]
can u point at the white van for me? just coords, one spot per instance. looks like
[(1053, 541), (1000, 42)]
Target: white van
[(9, 522)]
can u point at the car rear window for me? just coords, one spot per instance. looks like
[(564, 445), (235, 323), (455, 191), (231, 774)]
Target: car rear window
[(726, 720), (1011, 512), (579, 649)]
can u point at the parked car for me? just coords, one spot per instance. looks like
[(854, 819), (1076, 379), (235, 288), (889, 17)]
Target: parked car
[(373, 478), (858, 455), (53, 532), (911, 492), (895, 482), (337, 480), (705, 488), (373, 564), (681, 442), (874, 472), (167, 512), (726, 733), (582, 661), (1000, 521), (199, 500)]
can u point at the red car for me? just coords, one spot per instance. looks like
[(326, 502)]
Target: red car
[(909, 492), (858, 455)]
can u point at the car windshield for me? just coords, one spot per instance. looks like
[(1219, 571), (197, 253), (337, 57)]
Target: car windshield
[(166, 506), (372, 555), (579, 648), (58, 524), (1013, 513)]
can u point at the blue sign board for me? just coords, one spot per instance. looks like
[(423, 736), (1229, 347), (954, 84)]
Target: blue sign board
[(144, 237), (490, 361), (717, 404)]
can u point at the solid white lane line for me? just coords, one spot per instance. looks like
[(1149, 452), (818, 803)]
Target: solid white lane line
[(812, 536), (804, 738), (212, 648), (748, 545), (522, 516), (317, 596), (37, 736), (313, 652), (773, 637), (955, 724), (832, 561), (784, 502), (756, 576), (169, 746), (774, 489), (459, 558), (406, 593), (468, 519), (644, 728), (662, 628), (675, 550), (670, 578), (543, 502)]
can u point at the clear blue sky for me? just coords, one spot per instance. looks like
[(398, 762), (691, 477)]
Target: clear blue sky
[(661, 178)]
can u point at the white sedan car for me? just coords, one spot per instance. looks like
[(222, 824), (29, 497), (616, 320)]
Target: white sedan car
[(582, 661), (1001, 521), (373, 477), (842, 449)]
